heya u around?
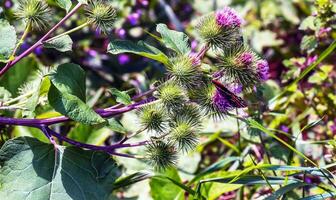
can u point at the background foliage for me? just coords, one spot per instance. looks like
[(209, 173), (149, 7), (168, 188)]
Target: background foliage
[(286, 148)]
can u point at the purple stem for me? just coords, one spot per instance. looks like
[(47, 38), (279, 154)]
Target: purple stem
[(54, 120), (110, 149), (40, 42)]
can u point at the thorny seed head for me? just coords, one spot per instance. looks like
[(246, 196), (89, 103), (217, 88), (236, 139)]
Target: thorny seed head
[(238, 66), (153, 117), (171, 95), (184, 132), (34, 12), (101, 14), (183, 72), (220, 29), (161, 155)]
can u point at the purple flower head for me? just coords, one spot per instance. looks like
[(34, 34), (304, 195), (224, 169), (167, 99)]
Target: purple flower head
[(194, 59), (263, 68), (38, 51), (245, 59), (144, 3), (121, 33), (221, 102), (123, 59), (284, 128), (8, 4), (134, 18), (228, 18)]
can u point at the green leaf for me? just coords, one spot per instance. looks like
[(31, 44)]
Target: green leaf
[(174, 40), (121, 97), (306, 71), (323, 196), (67, 94), (70, 78), (72, 107), (62, 44), (131, 179), (163, 187), (65, 4), (116, 126), (283, 190), (5, 95), (7, 39), (308, 43), (29, 170), (18, 75), (308, 23), (83, 1), (141, 48), (215, 167)]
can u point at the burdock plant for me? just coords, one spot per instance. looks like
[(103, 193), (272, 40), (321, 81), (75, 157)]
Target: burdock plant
[(173, 109)]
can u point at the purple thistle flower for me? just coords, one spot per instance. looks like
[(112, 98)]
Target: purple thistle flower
[(224, 99), (228, 18), (38, 51), (121, 33), (123, 59), (8, 4), (262, 67), (134, 18), (245, 59), (221, 102)]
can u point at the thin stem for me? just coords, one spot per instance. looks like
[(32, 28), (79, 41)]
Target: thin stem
[(68, 32), (23, 37), (106, 113), (17, 98), (39, 42), (110, 149)]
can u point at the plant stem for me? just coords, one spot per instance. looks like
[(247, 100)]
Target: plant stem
[(39, 42), (68, 32), (106, 113), (110, 149)]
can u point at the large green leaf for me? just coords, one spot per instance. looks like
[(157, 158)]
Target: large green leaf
[(29, 170), (70, 78), (174, 40), (67, 94), (62, 44), (72, 107), (7, 39), (141, 48)]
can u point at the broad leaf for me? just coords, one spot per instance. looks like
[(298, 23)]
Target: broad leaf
[(72, 107), (141, 48), (283, 190), (174, 40), (67, 94), (70, 78), (65, 4), (62, 44), (29, 170), (7, 39), (121, 97)]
